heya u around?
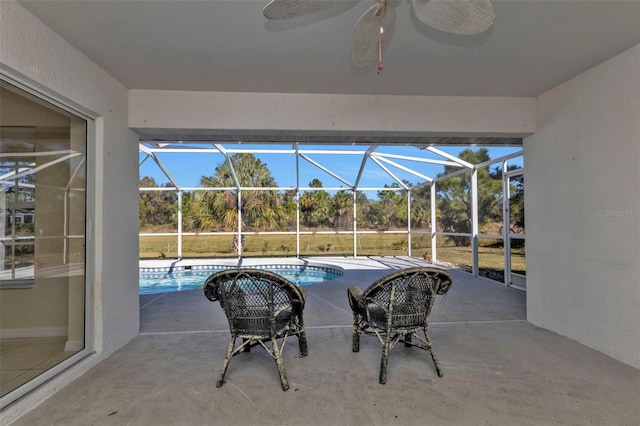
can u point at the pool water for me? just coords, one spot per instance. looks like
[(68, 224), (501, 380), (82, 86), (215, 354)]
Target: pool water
[(161, 280)]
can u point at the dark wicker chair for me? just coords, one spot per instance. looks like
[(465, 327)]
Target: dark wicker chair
[(395, 308), (261, 308)]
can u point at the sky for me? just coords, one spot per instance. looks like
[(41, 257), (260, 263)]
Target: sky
[(189, 168)]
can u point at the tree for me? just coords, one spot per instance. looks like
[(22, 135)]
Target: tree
[(392, 207), (516, 208), (516, 204), (260, 209), (420, 207), (314, 206), (365, 211), (455, 196), (290, 206), (157, 207), (190, 216), (341, 210)]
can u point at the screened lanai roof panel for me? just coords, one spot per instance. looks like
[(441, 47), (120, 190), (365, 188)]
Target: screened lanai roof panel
[(297, 165), (149, 168), (332, 169), (186, 168)]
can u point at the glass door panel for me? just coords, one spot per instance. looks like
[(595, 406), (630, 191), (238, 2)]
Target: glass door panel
[(42, 236)]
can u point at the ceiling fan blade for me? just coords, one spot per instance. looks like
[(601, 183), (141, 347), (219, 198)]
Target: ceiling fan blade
[(366, 34), (285, 9), (465, 17)]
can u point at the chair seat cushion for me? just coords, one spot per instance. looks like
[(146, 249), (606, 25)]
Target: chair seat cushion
[(256, 321), (405, 315)]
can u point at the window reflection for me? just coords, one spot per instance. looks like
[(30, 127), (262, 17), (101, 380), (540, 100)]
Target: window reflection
[(42, 236)]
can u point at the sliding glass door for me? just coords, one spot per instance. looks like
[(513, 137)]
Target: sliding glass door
[(43, 180)]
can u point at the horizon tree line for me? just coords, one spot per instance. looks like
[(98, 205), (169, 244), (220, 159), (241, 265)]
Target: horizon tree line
[(273, 210)]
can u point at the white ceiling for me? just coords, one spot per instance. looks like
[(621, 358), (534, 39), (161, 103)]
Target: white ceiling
[(229, 46)]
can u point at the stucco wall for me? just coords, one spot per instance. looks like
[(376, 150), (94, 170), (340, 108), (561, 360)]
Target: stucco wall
[(582, 197), (34, 54), (459, 115)]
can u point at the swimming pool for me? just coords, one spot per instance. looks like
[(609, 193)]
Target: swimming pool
[(177, 278)]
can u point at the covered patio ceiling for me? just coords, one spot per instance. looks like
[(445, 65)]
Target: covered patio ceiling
[(229, 46)]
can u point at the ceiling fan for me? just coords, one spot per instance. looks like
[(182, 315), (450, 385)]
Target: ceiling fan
[(373, 29)]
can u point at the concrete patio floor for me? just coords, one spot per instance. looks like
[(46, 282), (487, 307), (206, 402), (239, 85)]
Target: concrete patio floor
[(498, 369)]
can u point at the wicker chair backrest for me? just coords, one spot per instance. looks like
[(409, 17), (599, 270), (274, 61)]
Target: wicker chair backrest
[(404, 298), (256, 302)]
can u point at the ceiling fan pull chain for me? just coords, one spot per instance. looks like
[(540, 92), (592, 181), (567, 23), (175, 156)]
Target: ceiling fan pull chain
[(380, 48)]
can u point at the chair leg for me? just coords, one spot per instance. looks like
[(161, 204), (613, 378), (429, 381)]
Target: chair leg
[(383, 363), (407, 340), (277, 355), (356, 334), (302, 339), (302, 342), (227, 359), (433, 355)]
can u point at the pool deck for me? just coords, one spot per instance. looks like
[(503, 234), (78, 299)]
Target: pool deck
[(498, 368), (346, 263)]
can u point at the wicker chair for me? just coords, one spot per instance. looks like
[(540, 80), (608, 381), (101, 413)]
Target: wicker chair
[(395, 308), (261, 307)]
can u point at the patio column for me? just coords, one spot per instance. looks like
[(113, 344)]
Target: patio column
[(506, 220), (355, 224), (434, 249), (474, 222), (239, 234), (408, 192), (297, 203), (180, 224)]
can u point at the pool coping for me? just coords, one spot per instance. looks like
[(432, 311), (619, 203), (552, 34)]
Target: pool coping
[(167, 266), (344, 263)]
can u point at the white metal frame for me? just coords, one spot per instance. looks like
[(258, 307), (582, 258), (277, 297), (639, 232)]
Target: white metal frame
[(367, 153), (506, 217)]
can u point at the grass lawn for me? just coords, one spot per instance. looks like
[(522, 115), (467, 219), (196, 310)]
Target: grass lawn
[(490, 254)]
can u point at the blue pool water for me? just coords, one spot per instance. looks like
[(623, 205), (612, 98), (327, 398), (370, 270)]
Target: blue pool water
[(161, 280)]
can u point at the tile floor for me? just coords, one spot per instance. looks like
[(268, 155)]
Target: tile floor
[(22, 359)]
